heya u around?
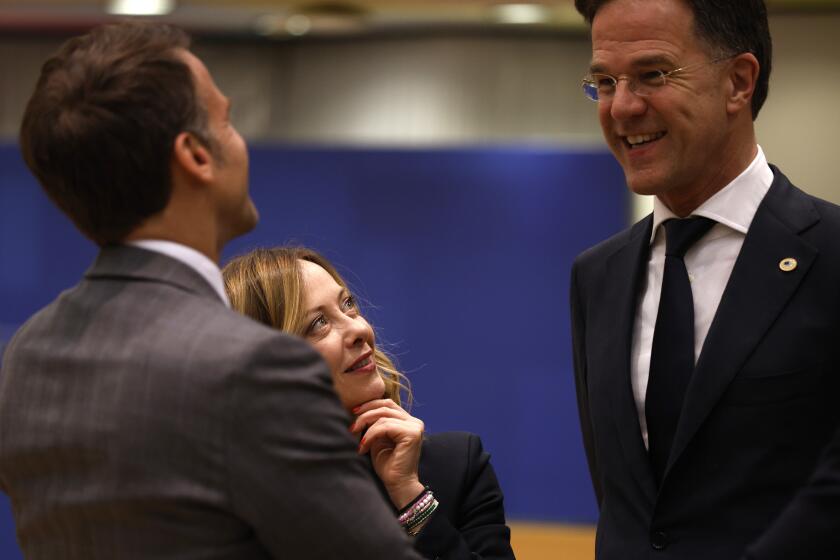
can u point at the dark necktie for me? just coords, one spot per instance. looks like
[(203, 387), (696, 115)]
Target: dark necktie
[(672, 355)]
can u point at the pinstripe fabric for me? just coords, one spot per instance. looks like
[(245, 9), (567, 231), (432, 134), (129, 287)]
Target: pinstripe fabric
[(140, 418)]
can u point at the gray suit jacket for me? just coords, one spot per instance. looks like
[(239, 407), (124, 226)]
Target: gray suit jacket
[(140, 418)]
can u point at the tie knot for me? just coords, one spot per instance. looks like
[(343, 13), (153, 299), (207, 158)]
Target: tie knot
[(680, 235)]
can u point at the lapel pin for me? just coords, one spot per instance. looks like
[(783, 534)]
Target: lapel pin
[(788, 264)]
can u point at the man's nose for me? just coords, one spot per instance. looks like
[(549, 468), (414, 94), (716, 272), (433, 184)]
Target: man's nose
[(625, 102)]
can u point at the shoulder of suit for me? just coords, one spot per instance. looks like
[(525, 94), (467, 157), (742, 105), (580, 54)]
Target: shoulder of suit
[(785, 199), (615, 242), (451, 460), (449, 445), (826, 209), (246, 334), (211, 333), (451, 438)]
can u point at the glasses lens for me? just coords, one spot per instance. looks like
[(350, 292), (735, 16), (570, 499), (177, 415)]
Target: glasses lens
[(648, 82), (590, 90), (605, 84)]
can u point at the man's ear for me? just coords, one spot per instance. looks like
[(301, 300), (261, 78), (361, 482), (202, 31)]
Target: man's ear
[(193, 157), (742, 77)]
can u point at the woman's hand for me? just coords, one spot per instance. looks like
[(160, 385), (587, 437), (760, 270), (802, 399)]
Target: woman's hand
[(393, 439)]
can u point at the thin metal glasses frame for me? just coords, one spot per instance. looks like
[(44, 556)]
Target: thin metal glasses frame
[(589, 85)]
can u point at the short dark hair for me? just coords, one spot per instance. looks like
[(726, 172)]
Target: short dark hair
[(99, 130), (731, 26)]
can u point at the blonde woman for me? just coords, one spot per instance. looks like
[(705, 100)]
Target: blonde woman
[(442, 487)]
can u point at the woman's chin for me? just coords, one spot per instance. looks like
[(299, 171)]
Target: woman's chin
[(359, 396)]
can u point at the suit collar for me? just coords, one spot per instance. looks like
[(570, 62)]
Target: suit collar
[(201, 263), (733, 206), (755, 295), (134, 263), (789, 205)]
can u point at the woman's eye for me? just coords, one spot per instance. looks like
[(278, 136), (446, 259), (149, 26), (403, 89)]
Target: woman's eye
[(317, 324), (349, 302)]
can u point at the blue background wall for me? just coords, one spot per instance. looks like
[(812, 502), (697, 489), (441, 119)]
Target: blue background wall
[(464, 258)]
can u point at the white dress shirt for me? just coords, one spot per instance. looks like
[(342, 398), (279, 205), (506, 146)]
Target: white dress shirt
[(190, 257), (709, 263)]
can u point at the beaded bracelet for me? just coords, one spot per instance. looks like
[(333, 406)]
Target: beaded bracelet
[(418, 508), (415, 524), (419, 502), (414, 501), (413, 516)]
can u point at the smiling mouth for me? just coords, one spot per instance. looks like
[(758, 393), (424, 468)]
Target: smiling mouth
[(364, 362), (638, 140)]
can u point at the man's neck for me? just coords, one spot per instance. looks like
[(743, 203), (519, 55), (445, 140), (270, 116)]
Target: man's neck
[(187, 232), (686, 201)]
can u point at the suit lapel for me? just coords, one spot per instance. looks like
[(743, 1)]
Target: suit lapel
[(756, 293), (625, 274)]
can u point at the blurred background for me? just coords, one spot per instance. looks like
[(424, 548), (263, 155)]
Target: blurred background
[(442, 154)]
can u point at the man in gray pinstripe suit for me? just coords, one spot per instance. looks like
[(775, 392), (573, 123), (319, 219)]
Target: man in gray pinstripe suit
[(139, 416)]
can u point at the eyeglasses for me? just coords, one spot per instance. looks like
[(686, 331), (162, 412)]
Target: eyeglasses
[(601, 87)]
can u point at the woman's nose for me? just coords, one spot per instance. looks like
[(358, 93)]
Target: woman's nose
[(358, 331)]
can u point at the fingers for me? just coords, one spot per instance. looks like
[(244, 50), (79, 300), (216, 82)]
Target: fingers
[(370, 419), (394, 441), (376, 403), (389, 433), (371, 415)]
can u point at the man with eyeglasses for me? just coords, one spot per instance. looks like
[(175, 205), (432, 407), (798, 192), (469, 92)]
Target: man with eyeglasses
[(705, 336)]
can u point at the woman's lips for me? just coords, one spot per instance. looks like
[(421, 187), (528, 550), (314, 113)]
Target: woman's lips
[(364, 364)]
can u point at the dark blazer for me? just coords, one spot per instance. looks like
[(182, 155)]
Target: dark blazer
[(755, 466), (469, 523), (140, 418)]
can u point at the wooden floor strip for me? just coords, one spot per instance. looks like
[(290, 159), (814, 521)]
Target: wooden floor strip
[(547, 541)]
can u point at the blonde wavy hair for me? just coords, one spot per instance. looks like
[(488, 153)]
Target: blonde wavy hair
[(267, 285)]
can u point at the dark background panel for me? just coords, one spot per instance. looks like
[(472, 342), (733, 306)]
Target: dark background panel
[(461, 258)]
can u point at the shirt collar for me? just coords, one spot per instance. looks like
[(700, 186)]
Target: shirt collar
[(733, 206), (190, 257)]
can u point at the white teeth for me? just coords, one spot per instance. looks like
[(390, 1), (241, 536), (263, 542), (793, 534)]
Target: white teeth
[(359, 365), (642, 138)]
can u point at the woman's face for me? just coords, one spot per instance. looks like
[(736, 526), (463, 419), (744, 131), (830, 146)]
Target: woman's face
[(341, 335)]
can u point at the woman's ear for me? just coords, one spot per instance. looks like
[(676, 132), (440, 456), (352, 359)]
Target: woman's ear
[(193, 157), (742, 77)]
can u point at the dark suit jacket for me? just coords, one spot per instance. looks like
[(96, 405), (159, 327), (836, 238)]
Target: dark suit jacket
[(140, 418), (469, 523), (755, 463)]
